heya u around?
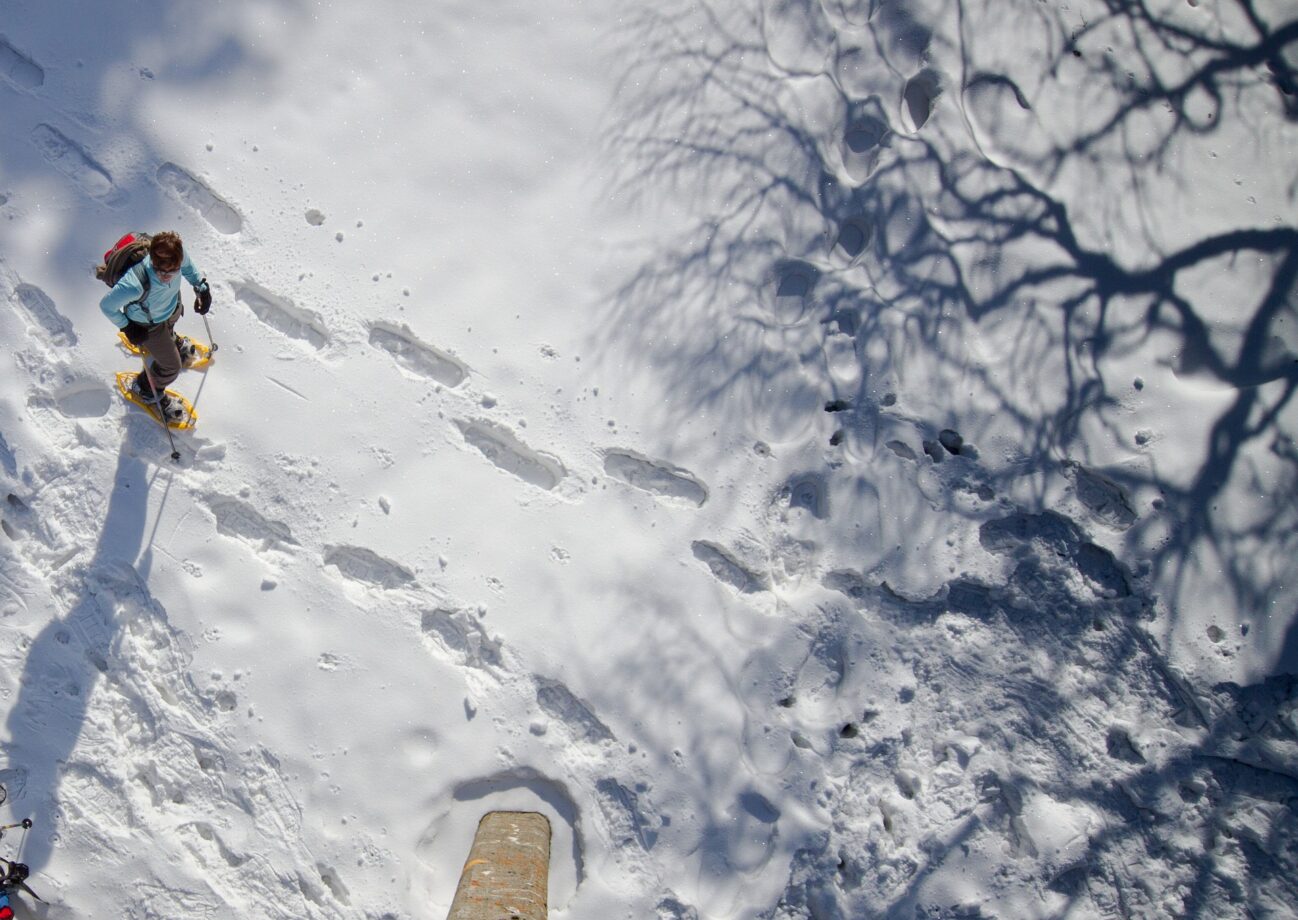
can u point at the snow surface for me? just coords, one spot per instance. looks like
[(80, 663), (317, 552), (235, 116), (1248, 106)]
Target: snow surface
[(835, 459)]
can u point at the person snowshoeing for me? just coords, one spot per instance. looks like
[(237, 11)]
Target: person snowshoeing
[(145, 304), (13, 874)]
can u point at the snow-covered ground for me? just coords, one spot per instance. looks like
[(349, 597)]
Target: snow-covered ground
[(835, 459)]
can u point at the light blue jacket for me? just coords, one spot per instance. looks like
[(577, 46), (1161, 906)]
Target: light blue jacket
[(123, 302)]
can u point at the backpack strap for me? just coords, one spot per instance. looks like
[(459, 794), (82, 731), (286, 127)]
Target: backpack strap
[(142, 275)]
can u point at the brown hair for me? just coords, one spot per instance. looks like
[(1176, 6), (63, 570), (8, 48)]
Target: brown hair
[(166, 251)]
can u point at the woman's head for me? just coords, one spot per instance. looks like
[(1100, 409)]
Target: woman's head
[(166, 252)]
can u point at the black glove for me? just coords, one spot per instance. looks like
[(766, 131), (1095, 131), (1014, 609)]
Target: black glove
[(136, 333), (204, 301)]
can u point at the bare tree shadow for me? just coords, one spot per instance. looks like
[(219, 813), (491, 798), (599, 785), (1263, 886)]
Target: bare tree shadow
[(816, 218), (830, 212)]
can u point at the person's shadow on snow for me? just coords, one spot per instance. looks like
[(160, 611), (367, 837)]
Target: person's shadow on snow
[(64, 663)]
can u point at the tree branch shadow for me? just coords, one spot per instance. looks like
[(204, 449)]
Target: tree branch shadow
[(825, 214)]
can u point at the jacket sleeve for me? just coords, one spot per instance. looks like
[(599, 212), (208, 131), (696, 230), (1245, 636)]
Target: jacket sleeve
[(114, 303), (190, 273)]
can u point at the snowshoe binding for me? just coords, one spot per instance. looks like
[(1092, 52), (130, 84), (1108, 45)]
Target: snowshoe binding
[(194, 355), (167, 408), (187, 350)]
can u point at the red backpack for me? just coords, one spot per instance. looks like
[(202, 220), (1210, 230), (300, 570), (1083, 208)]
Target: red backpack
[(126, 254)]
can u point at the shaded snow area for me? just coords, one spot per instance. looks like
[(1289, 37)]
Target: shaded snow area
[(833, 459)]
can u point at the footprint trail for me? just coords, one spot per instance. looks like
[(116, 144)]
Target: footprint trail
[(726, 568), (195, 193), (416, 357), (75, 162), (42, 311), (237, 518), (368, 567), (655, 477), (283, 315), (501, 447), (18, 69)]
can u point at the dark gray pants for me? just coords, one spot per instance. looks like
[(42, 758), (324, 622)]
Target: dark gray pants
[(163, 357)]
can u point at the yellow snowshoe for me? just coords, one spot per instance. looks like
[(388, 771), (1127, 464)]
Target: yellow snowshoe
[(179, 411)]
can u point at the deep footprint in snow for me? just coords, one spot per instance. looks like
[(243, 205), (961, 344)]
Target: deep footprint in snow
[(903, 450), (333, 881), (501, 447), (909, 783), (368, 567), (237, 518), (8, 459), (461, 634), (808, 491), (20, 521), (1119, 745), (902, 36), (864, 135), (283, 315), (562, 705), (854, 237), (848, 583), (863, 142), (672, 908), (209, 836), (1055, 539), (71, 159), (42, 311), (738, 848), (17, 509), (83, 399), (794, 283), (72, 399), (655, 476), (1103, 497), (18, 69), (195, 193), (628, 820), (919, 96), (726, 568), (415, 356), (952, 441)]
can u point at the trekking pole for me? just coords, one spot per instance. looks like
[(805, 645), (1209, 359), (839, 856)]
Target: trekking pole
[(16, 873), (210, 342), (157, 400)]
